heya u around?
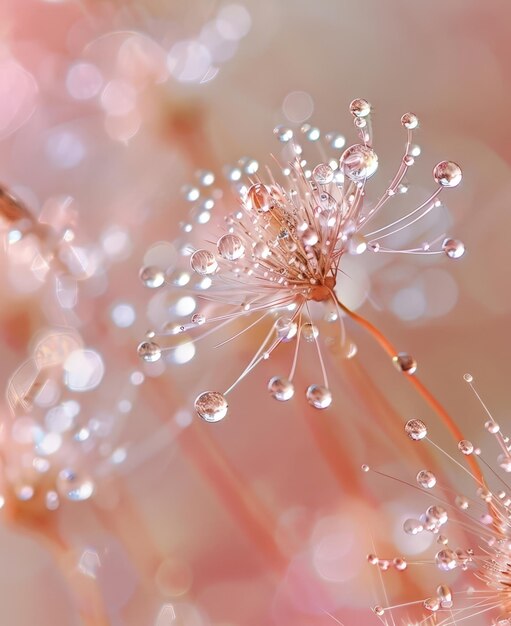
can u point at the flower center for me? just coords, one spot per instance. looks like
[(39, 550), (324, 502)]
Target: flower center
[(322, 292)]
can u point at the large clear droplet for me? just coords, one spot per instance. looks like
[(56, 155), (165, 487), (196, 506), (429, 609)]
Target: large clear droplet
[(281, 388), (258, 197), (203, 262), (152, 277), (446, 560), (358, 162), (286, 328), (230, 247), (360, 107), (323, 174), (416, 429), (438, 514), (405, 363), (447, 174), (410, 121), (149, 351), (413, 526), (426, 479), (261, 250), (74, 486), (431, 604), (318, 396), (310, 332), (211, 406), (198, 319), (465, 447), (453, 248)]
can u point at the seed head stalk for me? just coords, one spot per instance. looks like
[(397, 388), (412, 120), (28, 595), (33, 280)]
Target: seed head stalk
[(419, 386)]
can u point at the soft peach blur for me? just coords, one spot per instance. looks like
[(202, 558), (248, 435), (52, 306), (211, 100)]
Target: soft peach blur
[(107, 110)]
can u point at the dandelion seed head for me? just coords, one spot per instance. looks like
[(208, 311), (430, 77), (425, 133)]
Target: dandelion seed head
[(483, 549), (278, 249)]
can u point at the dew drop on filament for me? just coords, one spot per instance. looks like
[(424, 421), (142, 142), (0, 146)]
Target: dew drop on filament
[(318, 396), (358, 162), (281, 389), (453, 248), (152, 277), (203, 262), (211, 406), (149, 351), (230, 247), (416, 429)]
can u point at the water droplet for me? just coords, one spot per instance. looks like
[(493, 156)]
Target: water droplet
[(360, 107), (286, 328), (468, 378), (378, 610), (413, 526), (444, 594), (283, 133), (492, 427), (466, 447), (447, 174), (453, 248), (319, 396), (431, 604), (400, 564), (426, 479), (410, 121), (405, 363), (149, 351), (211, 406), (152, 277), (281, 388), (438, 514), (358, 162), (310, 236), (261, 250), (73, 486), (230, 247), (416, 429), (309, 331), (198, 319), (446, 560), (323, 174), (258, 197), (203, 262)]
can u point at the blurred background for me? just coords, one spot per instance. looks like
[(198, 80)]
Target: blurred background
[(120, 506)]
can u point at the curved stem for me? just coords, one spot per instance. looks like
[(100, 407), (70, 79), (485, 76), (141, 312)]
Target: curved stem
[(439, 409)]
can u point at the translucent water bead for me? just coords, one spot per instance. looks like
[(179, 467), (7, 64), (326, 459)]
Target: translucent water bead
[(447, 174), (211, 406), (416, 429), (358, 162), (281, 389), (149, 351), (318, 396)]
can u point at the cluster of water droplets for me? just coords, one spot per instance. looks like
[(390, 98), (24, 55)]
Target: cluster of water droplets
[(280, 247), (485, 514)]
